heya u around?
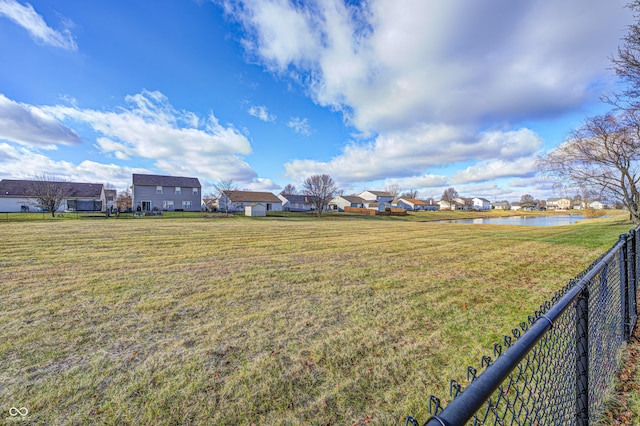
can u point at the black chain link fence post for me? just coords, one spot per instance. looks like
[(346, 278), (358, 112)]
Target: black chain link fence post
[(624, 287), (582, 359), (556, 368)]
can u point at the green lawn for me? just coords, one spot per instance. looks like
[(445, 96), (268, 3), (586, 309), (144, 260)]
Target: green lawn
[(279, 320)]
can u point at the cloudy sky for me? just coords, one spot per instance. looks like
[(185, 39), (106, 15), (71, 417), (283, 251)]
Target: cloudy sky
[(425, 94)]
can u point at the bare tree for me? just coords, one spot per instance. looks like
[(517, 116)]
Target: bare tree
[(412, 193), (393, 189), (450, 194), (601, 157), (124, 201), (289, 189), (49, 193), (626, 64), (224, 187), (321, 189), (527, 201)]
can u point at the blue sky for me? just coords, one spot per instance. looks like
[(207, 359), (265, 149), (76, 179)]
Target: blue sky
[(417, 93)]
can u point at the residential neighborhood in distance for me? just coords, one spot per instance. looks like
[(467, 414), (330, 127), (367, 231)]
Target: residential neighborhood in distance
[(158, 193)]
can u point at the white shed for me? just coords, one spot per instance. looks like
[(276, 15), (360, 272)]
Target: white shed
[(255, 210)]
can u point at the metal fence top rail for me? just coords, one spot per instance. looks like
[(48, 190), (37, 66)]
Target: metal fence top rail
[(467, 403)]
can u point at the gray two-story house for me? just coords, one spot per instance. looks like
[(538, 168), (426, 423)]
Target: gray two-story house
[(165, 193)]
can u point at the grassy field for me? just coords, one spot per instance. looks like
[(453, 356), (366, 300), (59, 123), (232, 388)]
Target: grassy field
[(280, 320)]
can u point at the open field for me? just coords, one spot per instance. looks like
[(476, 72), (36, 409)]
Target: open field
[(280, 320)]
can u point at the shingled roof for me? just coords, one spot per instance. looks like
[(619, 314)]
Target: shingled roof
[(158, 180), (354, 199), (25, 188), (299, 199), (249, 196)]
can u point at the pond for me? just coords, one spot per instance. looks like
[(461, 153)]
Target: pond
[(521, 220)]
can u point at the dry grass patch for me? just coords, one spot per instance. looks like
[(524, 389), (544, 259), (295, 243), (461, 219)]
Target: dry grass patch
[(281, 321)]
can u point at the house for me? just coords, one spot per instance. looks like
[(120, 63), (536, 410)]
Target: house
[(501, 205), (342, 201), (381, 197), (255, 210), (596, 205), (451, 205), (410, 204), (236, 201), (431, 204), (516, 206), (467, 203), (578, 205), (558, 203), (110, 198), (375, 205), (297, 203), (481, 203), (20, 195), (167, 193)]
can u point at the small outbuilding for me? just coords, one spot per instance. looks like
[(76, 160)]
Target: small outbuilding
[(255, 210)]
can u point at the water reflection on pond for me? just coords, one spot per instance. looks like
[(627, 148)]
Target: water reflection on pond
[(521, 220)]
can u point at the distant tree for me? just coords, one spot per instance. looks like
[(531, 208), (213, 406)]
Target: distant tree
[(412, 193), (124, 201), (321, 189), (450, 194), (393, 189), (289, 189), (527, 201), (626, 65), (602, 157), (49, 193), (224, 187)]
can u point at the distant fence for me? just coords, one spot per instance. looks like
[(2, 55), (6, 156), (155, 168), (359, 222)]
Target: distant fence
[(372, 212), (557, 367)]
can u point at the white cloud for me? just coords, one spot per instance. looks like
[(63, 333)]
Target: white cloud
[(261, 113), (424, 80), (23, 163), (409, 153), (30, 20), (420, 182), (180, 141), (261, 184), (300, 126), (495, 169), (389, 64), (30, 125)]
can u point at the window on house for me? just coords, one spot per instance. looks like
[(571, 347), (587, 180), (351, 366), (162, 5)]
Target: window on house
[(167, 205), (178, 190), (195, 191), (158, 190), (186, 205)]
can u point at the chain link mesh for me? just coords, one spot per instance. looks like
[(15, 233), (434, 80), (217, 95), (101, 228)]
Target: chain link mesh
[(544, 387)]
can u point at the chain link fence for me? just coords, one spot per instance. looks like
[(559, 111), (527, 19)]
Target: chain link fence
[(557, 367)]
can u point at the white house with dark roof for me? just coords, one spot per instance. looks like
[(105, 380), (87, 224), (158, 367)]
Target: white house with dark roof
[(297, 203), (20, 195), (379, 196), (410, 204), (451, 205), (166, 193), (501, 205), (236, 201), (340, 202), (481, 204)]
